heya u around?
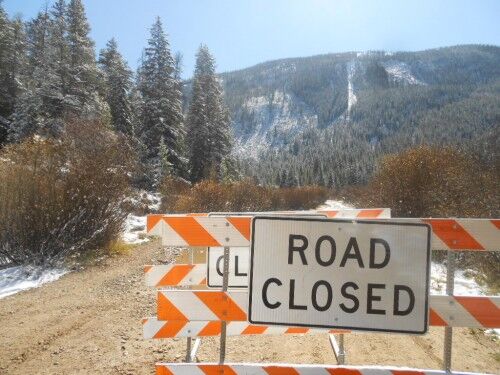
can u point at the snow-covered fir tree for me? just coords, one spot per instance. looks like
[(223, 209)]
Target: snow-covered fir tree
[(83, 78), (208, 121), (117, 85), (12, 65), (161, 112)]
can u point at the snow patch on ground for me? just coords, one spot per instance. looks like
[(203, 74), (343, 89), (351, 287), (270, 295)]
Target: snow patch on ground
[(335, 205), (135, 230), (19, 278), (464, 286)]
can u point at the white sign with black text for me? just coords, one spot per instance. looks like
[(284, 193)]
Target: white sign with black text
[(238, 267), (360, 275)]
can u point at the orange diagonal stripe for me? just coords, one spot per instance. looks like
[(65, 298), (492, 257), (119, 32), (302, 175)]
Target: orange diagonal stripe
[(211, 329), (483, 310), (453, 234), (369, 213), (496, 223), (343, 371), (191, 231), (297, 330), (275, 370), (152, 220), (203, 282), (407, 372), (254, 330), (331, 213), (162, 370), (242, 224), (222, 305), (436, 320), (175, 275), (147, 268), (170, 329), (166, 310), (217, 370)]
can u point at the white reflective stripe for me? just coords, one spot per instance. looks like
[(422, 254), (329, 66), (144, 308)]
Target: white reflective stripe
[(151, 327), (190, 305), (156, 230), (453, 312), (236, 328), (437, 244), (223, 231), (483, 231), (170, 237), (191, 329)]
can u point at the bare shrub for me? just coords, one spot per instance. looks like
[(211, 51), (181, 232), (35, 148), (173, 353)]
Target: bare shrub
[(241, 196), (59, 198), (436, 182), (430, 182)]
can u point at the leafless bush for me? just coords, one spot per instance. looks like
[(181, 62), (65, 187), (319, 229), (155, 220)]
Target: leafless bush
[(436, 182), (60, 198), (241, 196)]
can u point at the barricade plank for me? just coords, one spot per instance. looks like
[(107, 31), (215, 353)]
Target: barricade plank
[(206, 305), (176, 275), (275, 369), (447, 234), (160, 329)]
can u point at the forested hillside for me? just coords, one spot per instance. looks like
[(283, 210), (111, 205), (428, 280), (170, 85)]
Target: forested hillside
[(326, 119)]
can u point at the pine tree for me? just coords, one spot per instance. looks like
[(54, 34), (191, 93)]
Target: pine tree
[(117, 78), (161, 112), (12, 65), (83, 77), (208, 120), (59, 56), (165, 166), (30, 112)]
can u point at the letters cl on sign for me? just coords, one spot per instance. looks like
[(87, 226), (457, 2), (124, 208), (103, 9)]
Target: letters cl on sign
[(361, 275)]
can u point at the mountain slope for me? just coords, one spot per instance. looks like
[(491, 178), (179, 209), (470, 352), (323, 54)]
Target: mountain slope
[(325, 119)]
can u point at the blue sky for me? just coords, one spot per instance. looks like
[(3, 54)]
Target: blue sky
[(241, 33)]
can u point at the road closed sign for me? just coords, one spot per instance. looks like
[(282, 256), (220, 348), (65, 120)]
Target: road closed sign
[(359, 275), (238, 267)]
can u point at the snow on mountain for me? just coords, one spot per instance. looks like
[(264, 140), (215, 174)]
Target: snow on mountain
[(273, 117), (400, 72), (351, 98)]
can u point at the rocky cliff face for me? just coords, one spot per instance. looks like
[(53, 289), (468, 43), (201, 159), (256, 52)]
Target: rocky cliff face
[(275, 102)]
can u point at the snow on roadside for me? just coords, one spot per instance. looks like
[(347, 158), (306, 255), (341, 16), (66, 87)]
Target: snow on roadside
[(135, 230), (464, 286), (331, 204), (16, 279)]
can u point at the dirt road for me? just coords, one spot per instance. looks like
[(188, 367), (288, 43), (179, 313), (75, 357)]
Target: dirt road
[(89, 322)]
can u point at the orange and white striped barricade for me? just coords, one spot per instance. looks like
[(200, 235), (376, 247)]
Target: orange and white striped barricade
[(210, 305), (205, 231), (205, 313), (287, 369)]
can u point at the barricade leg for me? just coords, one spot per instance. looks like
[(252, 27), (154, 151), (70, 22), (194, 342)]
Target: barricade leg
[(189, 357), (225, 282), (448, 331)]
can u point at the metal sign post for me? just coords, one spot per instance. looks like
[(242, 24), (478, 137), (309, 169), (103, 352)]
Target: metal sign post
[(225, 281), (189, 340), (448, 331)]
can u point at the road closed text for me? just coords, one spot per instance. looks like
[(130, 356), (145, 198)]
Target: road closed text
[(339, 274), (324, 254)]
